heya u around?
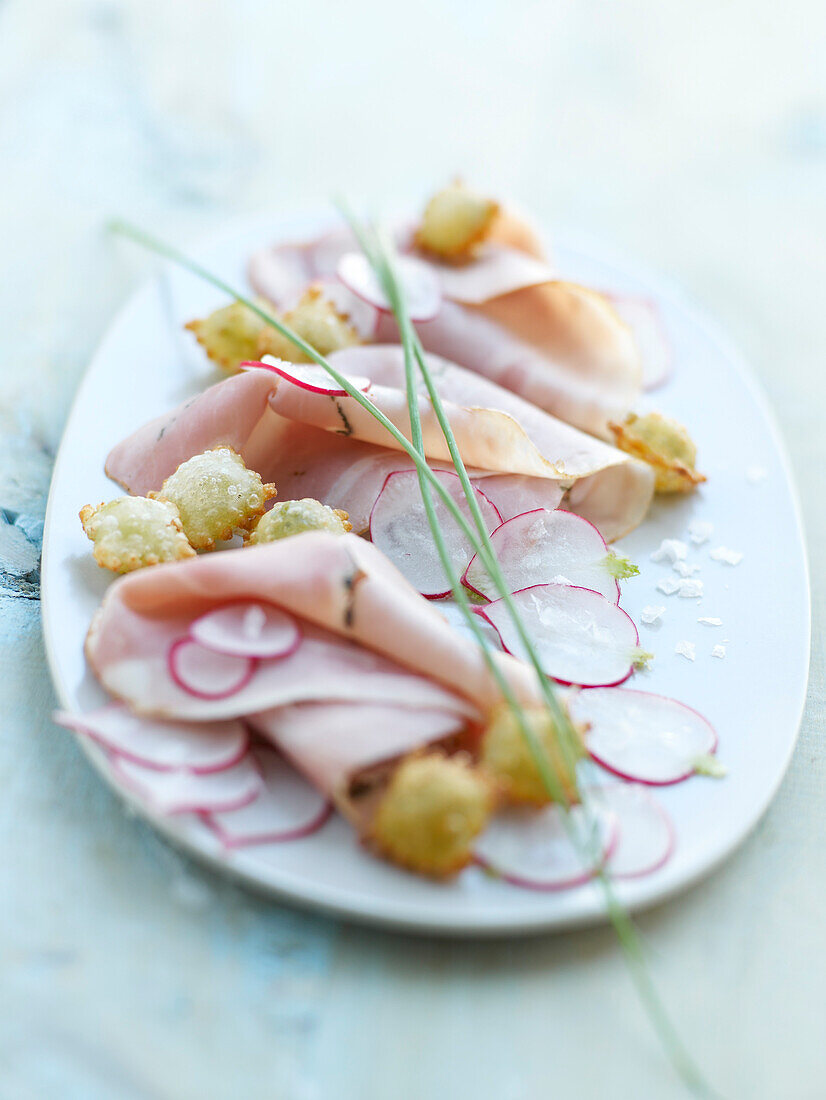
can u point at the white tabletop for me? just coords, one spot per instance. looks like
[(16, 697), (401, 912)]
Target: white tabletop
[(692, 137)]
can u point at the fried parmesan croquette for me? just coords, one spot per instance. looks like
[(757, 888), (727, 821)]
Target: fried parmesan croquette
[(131, 532), (507, 758), (431, 812), (664, 444), (215, 495), (316, 320), (230, 335), (455, 221), (293, 517)]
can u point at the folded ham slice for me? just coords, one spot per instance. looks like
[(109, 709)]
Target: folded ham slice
[(378, 673), (310, 444), (505, 314)]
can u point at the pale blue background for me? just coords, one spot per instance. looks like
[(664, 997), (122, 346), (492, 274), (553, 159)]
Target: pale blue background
[(691, 136)]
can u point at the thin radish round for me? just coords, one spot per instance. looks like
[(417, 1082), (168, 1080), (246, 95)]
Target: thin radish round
[(399, 527), (643, 318), (177, 792), (534, 849), (200, 747), (247, 629), (287, 808), (646, 833), (420, 284), (643, 737), (206, 674), (547, 547), (581, 637), (494, 271), (308, 376)]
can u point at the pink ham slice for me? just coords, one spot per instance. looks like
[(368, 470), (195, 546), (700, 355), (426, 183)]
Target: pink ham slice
[(332, 743), (366, 634), (559, 345), (312, 445)]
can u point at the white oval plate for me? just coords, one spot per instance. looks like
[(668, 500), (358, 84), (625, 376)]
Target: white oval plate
[(754, 696)]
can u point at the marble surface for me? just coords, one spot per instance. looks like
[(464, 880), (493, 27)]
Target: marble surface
[(690, 136)]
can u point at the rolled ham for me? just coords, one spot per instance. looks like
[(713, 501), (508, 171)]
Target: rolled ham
[(378, 673), (506, 314), (311, 444)]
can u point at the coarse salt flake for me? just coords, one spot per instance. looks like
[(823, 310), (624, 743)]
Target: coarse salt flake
[(668, 585), (692, 589), (700, 531), (670, 550), (707, 620), (651, 613), (730, 557), (686, 649), (686, 570), (718, 651)]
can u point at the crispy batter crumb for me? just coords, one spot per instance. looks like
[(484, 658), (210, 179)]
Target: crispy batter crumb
[(663, 444), (215, 495), (132, 532)]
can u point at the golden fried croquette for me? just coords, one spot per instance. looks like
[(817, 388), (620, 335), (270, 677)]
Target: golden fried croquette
[(131, 532), (293, 517), (507, 757), (663, 444), (230, 335), (431, 812), (455, 221), (316, 320), (215, 495)]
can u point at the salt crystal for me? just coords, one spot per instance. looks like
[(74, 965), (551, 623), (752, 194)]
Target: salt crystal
[(686, 570), (718, 651), (706, 621), (686, 649), (700, 531), (730, 557), (651, 614), (669, 585), (670, 550), (691, 589), (756, 474), (559, 579)]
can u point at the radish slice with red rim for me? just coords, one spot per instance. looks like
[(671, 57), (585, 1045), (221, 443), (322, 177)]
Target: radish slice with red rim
[(643, 318), (643, 737), (548, 547), (581, 638), (177, 792), (495, 270), (206, 674), (199, 747), (287, 808), (538, 850), (646, 837), (420, 284), (399, 528), (308, 376), (247, 629)]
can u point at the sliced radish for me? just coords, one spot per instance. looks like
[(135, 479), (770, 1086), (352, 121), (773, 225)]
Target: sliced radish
[(362, 316), (308, 376), (287, 808), (494, 271), (581, 637), (646, 833), (165, 746), (547, 547), (177, 792), (247, 629), (643, 318), (399, 527), (420, 284), (537, 850), (643, 737), (206, 674)]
